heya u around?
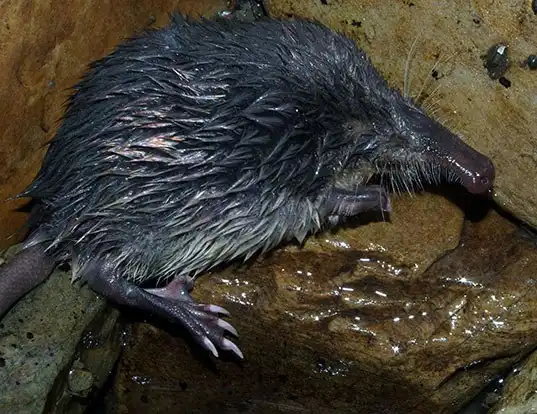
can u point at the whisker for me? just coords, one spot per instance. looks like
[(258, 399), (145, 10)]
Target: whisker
[(406, 80), (412, 176), (426, 83), (434, 112), (434, 104), (431, 95), (429, 77)]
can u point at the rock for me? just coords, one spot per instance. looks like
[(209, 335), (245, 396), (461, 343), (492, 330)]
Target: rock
[(348, 329), (487, 313), (518, 395), (454, 35), (57, 348), (78, 387), (38, 338), (46, 47)]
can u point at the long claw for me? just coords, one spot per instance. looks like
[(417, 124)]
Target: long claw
[(172, 302), (387, 207), (230, 346), (210, 346), (216, 309), (225, 325)]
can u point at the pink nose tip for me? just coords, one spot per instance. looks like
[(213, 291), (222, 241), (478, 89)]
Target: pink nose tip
[(481, 180)]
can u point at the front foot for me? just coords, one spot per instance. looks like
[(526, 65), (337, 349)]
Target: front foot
[(172, 302), (350, 203)]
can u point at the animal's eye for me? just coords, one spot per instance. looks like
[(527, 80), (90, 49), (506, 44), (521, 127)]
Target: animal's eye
[(356, 127)]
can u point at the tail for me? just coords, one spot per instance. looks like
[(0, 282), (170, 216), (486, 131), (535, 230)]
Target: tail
[(28, 269)]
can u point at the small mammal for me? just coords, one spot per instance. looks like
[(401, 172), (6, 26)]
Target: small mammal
[(208, 141)]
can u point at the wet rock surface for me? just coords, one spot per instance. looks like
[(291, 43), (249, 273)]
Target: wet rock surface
[(518, 394), (351, 328), (38, 338), (496, 119), (77, 388), (57, 348)]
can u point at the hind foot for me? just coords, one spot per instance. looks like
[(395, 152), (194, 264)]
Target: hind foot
[(172, 302), (201, 320)]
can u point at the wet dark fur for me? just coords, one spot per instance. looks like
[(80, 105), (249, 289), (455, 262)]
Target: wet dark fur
[(208, 141)]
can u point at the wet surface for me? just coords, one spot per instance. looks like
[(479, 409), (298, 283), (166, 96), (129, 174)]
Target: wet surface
[(518, 394), (350, 329), (39, 338), (497, 61)]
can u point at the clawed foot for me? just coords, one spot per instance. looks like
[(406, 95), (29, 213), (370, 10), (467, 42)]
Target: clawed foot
[(349, 203), (202, 321), (172, 302)]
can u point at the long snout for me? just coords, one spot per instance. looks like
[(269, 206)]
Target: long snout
[(474, 170)]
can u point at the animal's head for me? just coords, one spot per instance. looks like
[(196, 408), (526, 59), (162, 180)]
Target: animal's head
[(397, 140), (388, 135), (402, 144)]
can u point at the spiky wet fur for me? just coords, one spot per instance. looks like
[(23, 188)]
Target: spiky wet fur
[(209, 141)]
